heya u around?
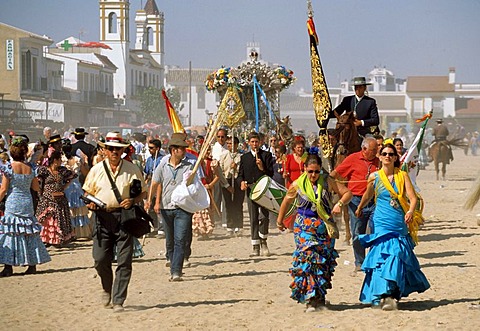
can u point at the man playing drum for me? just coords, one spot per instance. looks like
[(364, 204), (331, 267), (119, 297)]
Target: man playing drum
[(253, 165)]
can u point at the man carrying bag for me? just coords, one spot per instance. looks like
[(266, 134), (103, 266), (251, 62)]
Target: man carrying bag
[(108, 231)]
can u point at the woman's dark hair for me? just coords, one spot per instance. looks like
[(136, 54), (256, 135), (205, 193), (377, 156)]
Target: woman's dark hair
[(313, 159), (281, 148), (18, 152), (56, 155), (397, 140), (396, 163)]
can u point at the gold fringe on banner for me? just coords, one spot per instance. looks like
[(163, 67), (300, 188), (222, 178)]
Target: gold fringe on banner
[(322, 105), (231, 108)]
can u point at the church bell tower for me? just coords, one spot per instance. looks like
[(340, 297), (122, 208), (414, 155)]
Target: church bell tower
[(114, 32)]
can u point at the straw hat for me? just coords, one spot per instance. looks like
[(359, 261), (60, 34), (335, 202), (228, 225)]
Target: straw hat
[(115, 139)]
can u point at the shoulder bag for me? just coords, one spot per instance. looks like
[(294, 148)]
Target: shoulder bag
[(135, 220)]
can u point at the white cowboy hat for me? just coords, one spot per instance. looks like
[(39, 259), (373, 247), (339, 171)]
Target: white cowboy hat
[(115, 139)]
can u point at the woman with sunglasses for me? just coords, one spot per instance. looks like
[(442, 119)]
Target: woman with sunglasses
[(391, 268), (314, 256)]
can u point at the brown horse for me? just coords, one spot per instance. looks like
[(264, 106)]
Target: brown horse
[(284, 131), (440, 152), (344, 138), (345, 141)]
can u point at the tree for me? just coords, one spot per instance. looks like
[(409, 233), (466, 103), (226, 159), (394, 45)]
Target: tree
[(153, 105)]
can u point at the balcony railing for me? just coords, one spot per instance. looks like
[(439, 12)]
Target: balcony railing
[(97, 98)]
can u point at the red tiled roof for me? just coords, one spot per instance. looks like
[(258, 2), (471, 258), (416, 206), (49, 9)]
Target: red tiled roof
[(473, 108), (429, 84)]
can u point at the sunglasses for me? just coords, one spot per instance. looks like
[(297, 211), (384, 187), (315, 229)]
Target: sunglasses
[(220, 136), (112, 148), (313, 171), (389, 154), (151, 147)]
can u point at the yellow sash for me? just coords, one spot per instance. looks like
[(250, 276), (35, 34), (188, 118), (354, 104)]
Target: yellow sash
[(306, 188), (399, 177)]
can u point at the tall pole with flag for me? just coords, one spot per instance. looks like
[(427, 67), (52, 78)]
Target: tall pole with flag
[(177, 125), (322, 104)]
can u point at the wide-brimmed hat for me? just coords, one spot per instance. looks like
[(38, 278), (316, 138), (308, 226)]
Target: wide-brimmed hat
[(360, 81), (101, 142), (54, 139), (115, 139), (178, 139), (79, 131)]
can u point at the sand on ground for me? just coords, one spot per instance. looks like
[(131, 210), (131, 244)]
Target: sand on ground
[(225, 289)]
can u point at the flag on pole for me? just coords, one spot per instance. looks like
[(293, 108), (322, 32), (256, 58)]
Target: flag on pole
[(172, 115), (410, 158), (322, 105)]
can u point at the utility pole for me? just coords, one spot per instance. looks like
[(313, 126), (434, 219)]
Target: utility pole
[(190, 93)]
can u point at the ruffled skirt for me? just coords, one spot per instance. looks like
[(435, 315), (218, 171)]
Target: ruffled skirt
[(78, 210), (314, 260), (56, 230), (20, 243), (391, 268), (202, 224)]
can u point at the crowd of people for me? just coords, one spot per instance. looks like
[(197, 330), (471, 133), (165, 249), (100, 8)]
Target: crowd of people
[(42, 186), (49, 180)]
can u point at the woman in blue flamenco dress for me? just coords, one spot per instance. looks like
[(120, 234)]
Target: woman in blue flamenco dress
[(391, 268), (78, 210), (314, 258), (20, 243)]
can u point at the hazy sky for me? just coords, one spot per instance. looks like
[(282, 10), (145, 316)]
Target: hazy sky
[(410, 37)]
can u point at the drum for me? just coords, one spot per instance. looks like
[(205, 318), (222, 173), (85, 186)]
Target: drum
[(269, 194)]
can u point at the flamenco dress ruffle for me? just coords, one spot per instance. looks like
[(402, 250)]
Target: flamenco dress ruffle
[(202, 224), (313, 259), (53, 212), (20, 242), (53, 232), (78, 210), (391, 267)]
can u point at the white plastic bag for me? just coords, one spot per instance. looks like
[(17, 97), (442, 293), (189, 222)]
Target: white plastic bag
[(192, 198)]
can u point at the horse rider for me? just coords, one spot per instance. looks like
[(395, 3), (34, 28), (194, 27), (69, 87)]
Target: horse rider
[(440, 132), (364, 108)]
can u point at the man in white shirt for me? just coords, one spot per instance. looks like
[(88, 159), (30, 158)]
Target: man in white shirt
[(219, 153)]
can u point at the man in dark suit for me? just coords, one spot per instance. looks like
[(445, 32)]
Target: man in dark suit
[(86, 148), (364, 108), (82, 145), (253, 165)]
